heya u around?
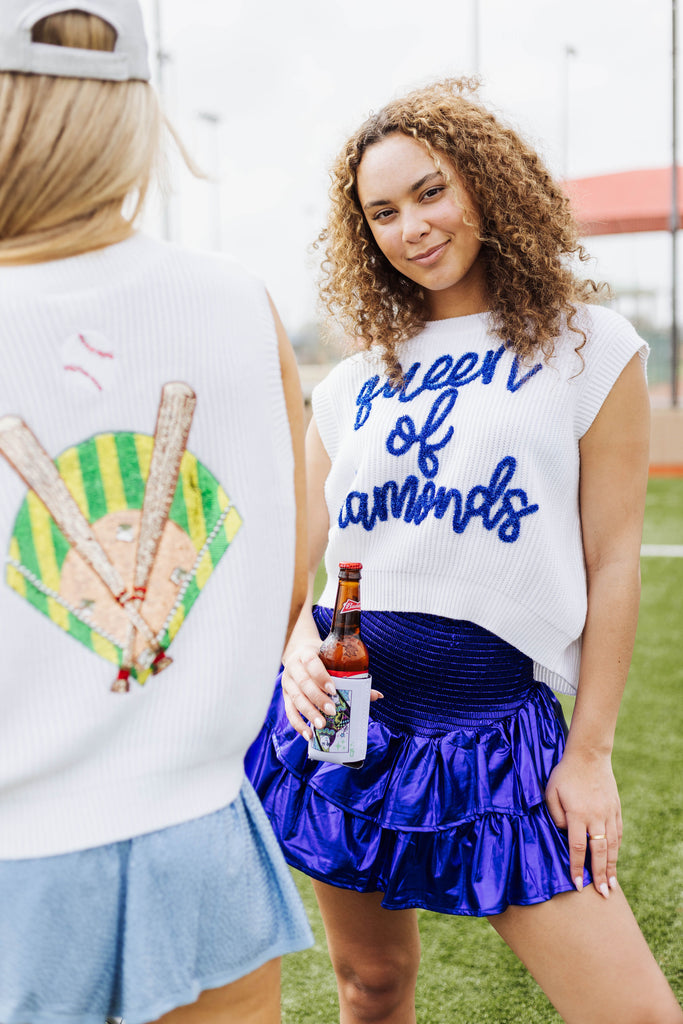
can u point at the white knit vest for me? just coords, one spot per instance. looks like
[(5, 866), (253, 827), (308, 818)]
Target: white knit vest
[(87, 344), (460, 494)]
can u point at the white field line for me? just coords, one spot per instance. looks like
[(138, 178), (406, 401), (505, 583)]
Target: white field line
[(662, 551)]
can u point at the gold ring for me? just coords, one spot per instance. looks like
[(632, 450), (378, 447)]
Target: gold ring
[(601, 836)]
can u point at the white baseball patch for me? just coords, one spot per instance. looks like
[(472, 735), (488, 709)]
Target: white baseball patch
[(89, 361)]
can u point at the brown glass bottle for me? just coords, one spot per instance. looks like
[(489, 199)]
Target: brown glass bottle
[(343, 653)]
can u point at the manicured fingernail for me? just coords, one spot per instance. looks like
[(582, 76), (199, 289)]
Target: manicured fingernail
[(328, 709), (613, 882), (307, 735), (604, 890), (578, 882), (319, 723), (330, 688)]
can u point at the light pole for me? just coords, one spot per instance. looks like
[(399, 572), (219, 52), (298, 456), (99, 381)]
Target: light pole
[(675, 218), (214, 122), (161, 59), (569, 52), (476, 40)]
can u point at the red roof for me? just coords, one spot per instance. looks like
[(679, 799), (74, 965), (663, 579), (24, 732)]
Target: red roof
[(611, 204)]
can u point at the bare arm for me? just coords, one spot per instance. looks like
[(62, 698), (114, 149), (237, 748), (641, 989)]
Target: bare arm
[(305, 683), (317, 468), (582, 793), (295, 413)]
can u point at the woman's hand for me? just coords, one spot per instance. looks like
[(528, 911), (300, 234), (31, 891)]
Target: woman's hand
[(307, 688), (582, 798)]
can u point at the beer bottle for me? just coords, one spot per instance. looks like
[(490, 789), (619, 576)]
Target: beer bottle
[(343, 653), (343, 737)]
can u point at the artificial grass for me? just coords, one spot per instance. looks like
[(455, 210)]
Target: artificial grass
[(664, 511), (467, 973)]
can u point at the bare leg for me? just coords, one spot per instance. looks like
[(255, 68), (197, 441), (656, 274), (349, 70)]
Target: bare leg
[(591, 959), (375, 954), (253, 999)]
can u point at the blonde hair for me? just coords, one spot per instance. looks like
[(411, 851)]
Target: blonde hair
[(72, 151), (522, 219)]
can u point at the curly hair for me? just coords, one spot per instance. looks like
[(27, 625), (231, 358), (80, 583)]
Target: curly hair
[(524, 222)]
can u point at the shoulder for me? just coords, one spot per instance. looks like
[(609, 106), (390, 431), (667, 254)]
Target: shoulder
[(597, 333), (350, 372), (205, 269), (211, 290), (604, 319), (336, 397), (611, 342), (602, 325)]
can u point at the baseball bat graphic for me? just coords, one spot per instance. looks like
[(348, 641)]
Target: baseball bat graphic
[(29, 459), (174, 420)]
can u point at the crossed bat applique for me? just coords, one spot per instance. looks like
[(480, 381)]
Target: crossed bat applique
[(116, 539)]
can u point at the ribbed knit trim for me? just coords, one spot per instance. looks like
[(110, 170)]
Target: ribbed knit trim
[(619, 343), (63, 815)]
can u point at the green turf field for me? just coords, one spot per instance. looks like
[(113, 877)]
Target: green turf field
[(468, 975)]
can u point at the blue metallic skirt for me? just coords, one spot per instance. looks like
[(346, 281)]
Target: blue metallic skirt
[(448, 811)]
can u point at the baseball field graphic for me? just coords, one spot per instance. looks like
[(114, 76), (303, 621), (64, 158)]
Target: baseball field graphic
[(116, 538)]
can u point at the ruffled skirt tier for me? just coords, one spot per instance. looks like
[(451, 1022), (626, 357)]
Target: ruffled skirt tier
[(447, 811)]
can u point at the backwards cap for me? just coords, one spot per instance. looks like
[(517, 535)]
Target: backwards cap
[(19, 53)]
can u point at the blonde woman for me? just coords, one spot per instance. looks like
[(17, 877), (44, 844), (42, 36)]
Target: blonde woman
[(484, 456), (148, 401)]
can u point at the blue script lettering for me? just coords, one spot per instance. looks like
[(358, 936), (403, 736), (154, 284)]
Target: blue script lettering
[(445, 373), (499, 507), (370, 390), (513, 384), (404, 435), (436, 376)]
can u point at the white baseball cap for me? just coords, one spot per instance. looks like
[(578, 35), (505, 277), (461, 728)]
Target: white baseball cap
[(18, 52)]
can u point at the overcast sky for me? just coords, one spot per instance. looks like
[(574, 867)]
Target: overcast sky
[(283, 84)]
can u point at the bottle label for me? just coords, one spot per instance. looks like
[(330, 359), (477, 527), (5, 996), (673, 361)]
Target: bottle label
[(349, 606)]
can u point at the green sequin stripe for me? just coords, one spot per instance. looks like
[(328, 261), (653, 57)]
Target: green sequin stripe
[(107, 473), (82, 472)]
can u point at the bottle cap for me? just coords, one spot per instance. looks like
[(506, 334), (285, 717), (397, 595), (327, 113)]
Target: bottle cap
[(351, 566)]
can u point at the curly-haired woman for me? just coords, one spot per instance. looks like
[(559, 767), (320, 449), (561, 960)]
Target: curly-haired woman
[(484, 455)]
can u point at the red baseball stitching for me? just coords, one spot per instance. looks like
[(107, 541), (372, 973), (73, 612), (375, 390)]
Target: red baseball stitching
[(79, 369), (96, 351)]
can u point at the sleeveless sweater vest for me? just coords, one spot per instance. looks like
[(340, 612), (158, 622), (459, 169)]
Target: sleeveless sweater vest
[(460, 492), (88, 344)]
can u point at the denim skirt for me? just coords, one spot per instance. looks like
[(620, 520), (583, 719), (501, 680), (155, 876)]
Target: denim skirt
[(136, 928)]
